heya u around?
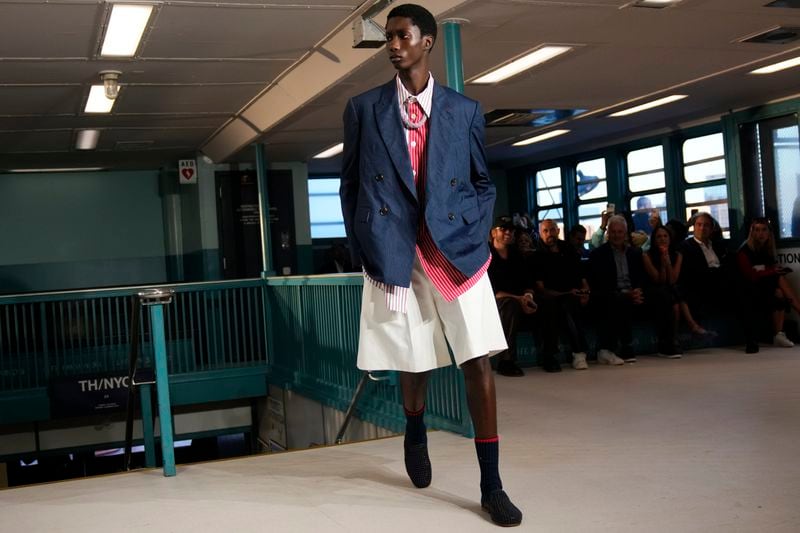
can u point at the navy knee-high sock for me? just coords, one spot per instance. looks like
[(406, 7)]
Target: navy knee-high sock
[(488, 459), (416, 432)]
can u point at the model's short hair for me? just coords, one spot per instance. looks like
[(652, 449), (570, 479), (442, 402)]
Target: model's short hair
[(420, 17)]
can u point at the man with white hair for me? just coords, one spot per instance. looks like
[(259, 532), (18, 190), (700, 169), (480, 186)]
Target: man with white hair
[(616, 277)]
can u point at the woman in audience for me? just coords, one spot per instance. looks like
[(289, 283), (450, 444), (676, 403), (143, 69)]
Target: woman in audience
[(765, 290), (662, 262)]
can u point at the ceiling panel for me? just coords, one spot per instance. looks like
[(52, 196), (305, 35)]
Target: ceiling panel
[(44, 30), (40, 100), (184, 99), (44, 141), (244, 32)]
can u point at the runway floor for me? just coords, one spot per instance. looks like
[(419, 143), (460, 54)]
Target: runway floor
[(705, 444)]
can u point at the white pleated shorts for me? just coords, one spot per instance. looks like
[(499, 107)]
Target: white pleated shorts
[(416, 341)]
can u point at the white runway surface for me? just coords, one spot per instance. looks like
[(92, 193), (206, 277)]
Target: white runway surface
[(708, 443)]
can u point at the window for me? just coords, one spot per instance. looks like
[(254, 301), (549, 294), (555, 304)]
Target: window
[(549, 200), (704, 174), (786, 146), (325, 208), (646, 177), (592, 191)]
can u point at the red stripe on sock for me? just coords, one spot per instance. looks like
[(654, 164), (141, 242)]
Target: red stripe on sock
[(496, 438), (414, 413)]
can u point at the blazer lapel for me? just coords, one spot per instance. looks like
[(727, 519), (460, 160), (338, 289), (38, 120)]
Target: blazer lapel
[(441, 125), (390, 128)]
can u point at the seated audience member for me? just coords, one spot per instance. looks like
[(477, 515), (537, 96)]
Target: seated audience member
[(765, 291), (678, 229), (616, 277), (703, 277), (513, 290), (562, 292), (662, 263), (599, 236), (576, 238)]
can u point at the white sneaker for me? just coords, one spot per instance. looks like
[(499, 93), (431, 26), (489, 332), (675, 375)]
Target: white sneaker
[(579, 361), (781, 340), (607, 357)]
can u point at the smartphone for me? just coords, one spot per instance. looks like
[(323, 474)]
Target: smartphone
[(610, 209)]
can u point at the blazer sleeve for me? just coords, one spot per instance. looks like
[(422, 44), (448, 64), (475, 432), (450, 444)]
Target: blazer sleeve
[(348, 189), (479, 171)]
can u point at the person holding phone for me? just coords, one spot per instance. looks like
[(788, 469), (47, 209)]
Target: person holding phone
[(765, 291)]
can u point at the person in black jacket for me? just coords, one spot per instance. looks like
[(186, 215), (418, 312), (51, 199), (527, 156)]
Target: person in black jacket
[(616, 277), (704, 274)]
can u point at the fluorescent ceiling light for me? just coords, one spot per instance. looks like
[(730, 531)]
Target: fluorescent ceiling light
[(125, 28), (42, 170), (775, 67), (540, 138), (330, 152), (87, 139), (97, 101), (522, 63), (656, 3), (649, 105)]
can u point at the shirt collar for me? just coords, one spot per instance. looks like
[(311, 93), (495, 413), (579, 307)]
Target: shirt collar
[(425, 98)]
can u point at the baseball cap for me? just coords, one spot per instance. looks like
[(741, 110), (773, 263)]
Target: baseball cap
[(505, 222)]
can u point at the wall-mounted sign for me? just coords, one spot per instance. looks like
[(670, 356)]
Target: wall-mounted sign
[(187, 171)]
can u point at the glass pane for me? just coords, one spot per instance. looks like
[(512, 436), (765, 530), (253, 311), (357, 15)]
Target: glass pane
[(787, 179), (591, 210), (548, 197), (643, 206), (590, 179), (645, 160), (704, 147), (323, 186), (591, 224), (645, 182), (703, 195), (327, 231), (555, 213), (711, 170), (325, 208), (719, 211), (550, 177)]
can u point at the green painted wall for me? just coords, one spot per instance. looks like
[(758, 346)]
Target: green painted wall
[(77, 230)]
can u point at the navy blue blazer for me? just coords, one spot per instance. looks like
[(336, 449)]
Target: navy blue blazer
[(379, 199)]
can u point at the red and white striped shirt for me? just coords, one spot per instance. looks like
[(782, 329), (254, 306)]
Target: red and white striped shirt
[(447, 279)]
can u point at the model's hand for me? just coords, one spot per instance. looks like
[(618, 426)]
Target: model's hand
[(636, 296), (527, 303)]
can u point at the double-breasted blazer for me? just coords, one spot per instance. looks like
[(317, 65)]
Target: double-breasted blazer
[(380, 204)]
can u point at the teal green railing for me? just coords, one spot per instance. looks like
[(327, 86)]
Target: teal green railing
[(313, 331), (214, 331)]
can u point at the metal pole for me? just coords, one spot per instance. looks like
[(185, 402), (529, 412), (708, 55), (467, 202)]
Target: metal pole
[(155, 299), (452, 54), (263, 211)]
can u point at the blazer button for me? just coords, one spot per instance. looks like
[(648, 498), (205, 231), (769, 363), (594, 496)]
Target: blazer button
[(451, 216), (379, 177), (453, 182), (383, 211)]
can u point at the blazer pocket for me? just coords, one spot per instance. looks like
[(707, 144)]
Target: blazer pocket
[(471, 215), (364, 214)]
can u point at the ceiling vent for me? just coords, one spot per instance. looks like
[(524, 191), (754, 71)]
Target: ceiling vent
[(780, 35), (528, 117), (130, 146), (792, 4)]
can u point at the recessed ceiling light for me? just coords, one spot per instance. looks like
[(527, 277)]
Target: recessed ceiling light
[(540, 138), (330, 152), (87, 139), (775, 67), (125, 28), (649, 105), (520, 64), (97, 101)]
